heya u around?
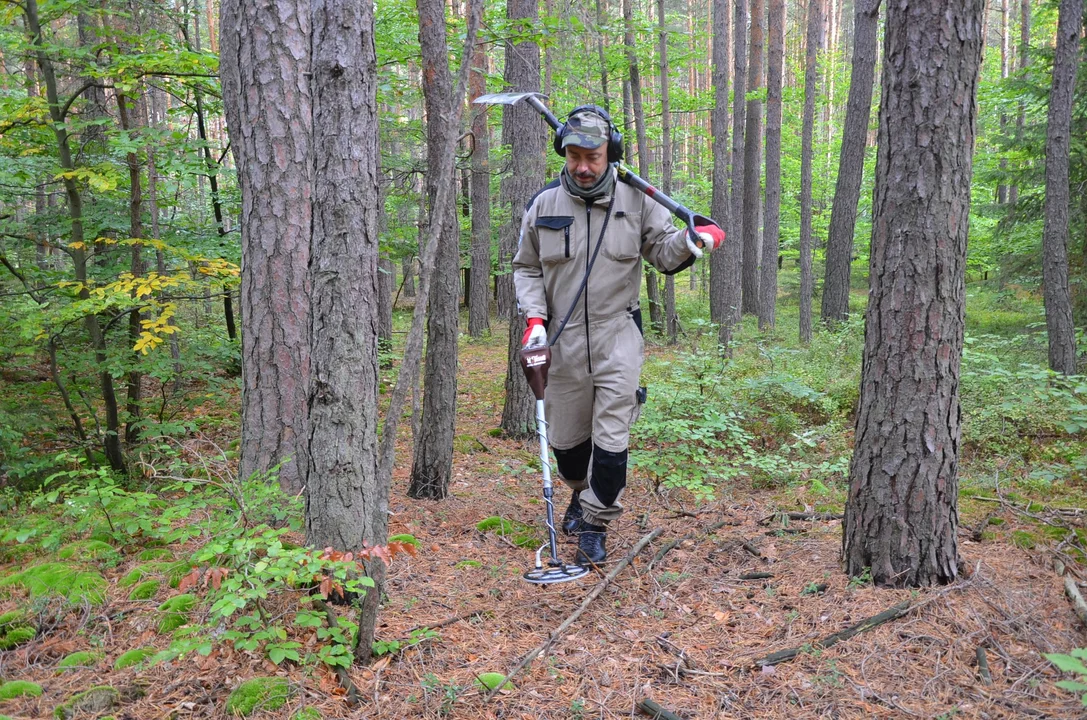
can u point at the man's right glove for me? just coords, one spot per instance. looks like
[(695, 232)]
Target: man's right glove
[(535, 335), (711, 235)]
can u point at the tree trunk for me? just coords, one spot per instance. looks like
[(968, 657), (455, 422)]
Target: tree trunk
[(408, 271), (811, 68), (1001, 188), (1024, 61), (727, 257), (527, 138), (346, 506), (112, 440), (847, 192), (652, 287), (671, 319), (265, 66), (479, 302), (601, 11), (752, 162), (901, 519), (432, 464), (136, 267), (734, 284), (386, 289), (1058, 303), (768, 281)]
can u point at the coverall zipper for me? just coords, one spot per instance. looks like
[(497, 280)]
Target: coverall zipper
[(588, 252)]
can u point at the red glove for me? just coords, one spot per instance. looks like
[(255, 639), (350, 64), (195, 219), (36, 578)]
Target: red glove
[(716, 236), (534, 334)]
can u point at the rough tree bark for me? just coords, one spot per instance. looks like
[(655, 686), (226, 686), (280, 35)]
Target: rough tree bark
[(1024, 61), (901, 518), (727, 255), (346, 506), (811, 69), (847, 192), (1058, 302), (752, 162), (479, 302), (265, 65), (526, 135), (432, 464), (768, 280)]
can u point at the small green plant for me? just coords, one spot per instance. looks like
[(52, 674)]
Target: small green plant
[(268, 694), (390, 647), (133, 657), (577, 709), (863, 580), (1073, 663)]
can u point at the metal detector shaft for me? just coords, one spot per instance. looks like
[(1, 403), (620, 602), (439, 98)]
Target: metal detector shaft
[(626, 175), (548, 490)]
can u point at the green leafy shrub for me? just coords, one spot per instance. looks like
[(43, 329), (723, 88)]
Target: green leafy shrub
[(79, 659), (1072, 663), (18, 689), (145, 590), (268, 693), (60, 579), (133, 657)]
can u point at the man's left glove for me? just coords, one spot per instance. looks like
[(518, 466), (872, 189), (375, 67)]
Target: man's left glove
[(711, 236), (535, 335)]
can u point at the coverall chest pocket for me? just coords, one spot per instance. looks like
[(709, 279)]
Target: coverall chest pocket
[(624, 238), (553, 232)]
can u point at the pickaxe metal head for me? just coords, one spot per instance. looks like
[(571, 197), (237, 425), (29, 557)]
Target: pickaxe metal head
[(512, 98)]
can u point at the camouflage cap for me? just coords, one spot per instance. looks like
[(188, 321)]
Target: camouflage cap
[(585, 129)]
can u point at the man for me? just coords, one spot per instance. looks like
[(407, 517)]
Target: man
[(578, 271)]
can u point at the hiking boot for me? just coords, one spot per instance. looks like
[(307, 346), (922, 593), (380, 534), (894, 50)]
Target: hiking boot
[(571, 519), (590, 544)]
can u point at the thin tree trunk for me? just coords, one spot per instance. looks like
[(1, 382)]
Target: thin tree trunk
[(479, 304), (1058, 302), (112, 440), (432, 464), (526, 136), (265, 66), (601, 11), (811, 68), (136, 267), (752, 162), (768, 282), (728, 256), (671, 319), (901, 519), (734, 283), (847, 192), (1024, 62), (1002, 188)]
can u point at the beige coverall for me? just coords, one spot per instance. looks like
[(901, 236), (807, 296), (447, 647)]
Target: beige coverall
[(597, 360)]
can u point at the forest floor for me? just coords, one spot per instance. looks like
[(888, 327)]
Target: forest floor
[(683, 629)]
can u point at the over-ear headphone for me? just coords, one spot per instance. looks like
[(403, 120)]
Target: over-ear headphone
[(615, 138)]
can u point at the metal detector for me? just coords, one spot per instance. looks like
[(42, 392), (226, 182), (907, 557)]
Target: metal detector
[(535, 362), (626, 175)]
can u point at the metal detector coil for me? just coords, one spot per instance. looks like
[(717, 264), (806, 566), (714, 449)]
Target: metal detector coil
[(535, 362)]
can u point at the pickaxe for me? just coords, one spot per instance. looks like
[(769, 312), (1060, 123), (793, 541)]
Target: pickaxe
[(626, 175)]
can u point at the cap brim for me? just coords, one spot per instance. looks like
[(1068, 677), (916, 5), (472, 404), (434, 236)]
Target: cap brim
[(581, 141)]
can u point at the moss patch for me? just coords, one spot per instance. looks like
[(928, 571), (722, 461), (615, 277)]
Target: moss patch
[(18, 689), (90, 550), (17, 636), (133, 657), (176, 611), (307, 713), (80, 659), (145, 590), (269, 693), (140, 572), (75, 584), (14, 619), (155, 554), (519, 534), (92, 702)]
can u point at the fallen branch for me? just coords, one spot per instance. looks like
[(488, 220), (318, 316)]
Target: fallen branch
[(831, 640), (656, 711), (672, 544), (1070, 589), (341, 672), (979, 529), (746, 545), (983, 666), (819, 516), (756, 576), (448, 621), (576, 614)]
